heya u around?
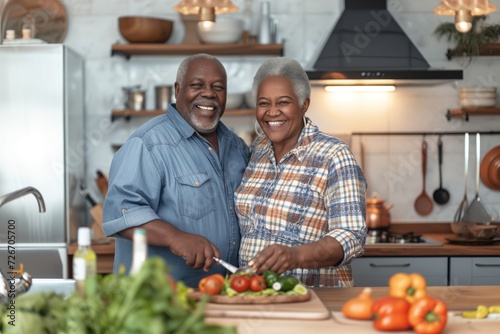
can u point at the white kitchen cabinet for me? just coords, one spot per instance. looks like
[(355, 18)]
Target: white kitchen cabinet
[(376, 271), (474, 270)]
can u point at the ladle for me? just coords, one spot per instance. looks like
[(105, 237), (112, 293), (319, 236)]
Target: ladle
[(423, 204), (441, 196)]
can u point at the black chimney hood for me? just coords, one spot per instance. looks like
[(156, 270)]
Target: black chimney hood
[(368, 47)]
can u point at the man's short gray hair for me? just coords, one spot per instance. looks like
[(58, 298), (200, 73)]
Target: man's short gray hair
[(286, 67), (183, 67)]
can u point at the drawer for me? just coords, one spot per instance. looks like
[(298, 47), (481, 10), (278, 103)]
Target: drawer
[(376, 271), (474, 270)]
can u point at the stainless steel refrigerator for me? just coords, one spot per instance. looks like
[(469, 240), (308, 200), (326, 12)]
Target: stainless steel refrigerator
[(42, 146)]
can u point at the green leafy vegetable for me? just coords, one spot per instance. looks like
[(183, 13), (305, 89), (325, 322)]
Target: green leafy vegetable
[(115, 304)]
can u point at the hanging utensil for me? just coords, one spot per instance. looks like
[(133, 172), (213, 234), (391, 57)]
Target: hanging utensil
[(464, 205), (423, 204), (441, 196), (476, 212)]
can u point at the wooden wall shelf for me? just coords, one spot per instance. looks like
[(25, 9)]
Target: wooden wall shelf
[(486, 50), (465, 113), (128, 113), (129, 50)]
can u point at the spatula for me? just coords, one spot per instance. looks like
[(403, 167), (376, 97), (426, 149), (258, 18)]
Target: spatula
[(476, 212)]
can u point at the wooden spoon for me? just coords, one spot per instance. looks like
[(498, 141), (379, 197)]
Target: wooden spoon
[(423, 204)]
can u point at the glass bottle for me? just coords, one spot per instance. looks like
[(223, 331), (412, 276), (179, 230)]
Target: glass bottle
[(84, 259), (265, 23), (140, 250)]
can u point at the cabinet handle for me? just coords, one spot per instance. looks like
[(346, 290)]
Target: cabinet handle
[(389, 265), (487, 265)]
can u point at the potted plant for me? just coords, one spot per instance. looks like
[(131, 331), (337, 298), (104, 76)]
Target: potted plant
[(471, 42)]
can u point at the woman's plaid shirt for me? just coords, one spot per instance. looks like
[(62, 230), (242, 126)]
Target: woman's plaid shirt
[(317, 190)]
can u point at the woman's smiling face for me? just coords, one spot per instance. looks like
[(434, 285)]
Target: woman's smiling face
[(278, 112)]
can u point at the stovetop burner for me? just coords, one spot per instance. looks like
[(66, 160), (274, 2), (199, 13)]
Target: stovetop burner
[(385, 237)]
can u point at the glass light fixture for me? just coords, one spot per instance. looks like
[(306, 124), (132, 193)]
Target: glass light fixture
[(206, 10), (388, 88), (463, 10)]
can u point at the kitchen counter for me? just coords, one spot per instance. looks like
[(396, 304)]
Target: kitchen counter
[(105, 256), (458, 298), (436, 231), (446, 249)]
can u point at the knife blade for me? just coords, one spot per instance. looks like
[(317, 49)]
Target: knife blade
[(233, 269), (84, 191)]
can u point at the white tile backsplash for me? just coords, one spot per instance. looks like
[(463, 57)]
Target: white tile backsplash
[(393, 165)]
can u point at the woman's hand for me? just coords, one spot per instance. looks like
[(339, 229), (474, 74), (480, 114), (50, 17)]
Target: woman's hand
[(277, 258), (322, 253)]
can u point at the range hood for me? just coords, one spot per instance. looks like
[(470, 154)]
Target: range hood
[(368, 47)]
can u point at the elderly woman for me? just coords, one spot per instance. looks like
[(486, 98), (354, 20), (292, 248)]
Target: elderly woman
[(301, 203)]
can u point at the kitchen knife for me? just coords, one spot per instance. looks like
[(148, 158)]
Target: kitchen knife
[(233, 269), (84, 191)]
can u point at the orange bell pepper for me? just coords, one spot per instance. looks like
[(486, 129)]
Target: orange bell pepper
[(391, 314), (412, 287), (428, 316)]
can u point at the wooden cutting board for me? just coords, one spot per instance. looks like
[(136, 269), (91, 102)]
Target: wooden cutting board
[(311, 309)]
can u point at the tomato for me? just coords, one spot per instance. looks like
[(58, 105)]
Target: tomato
[(202, 284), (240, 283), (219, 277), (257, 283), (213, 285)]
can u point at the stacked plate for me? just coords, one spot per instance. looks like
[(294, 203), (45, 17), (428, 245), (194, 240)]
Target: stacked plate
[(478, 96)]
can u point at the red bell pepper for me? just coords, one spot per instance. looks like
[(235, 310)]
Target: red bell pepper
[(428, 316), (391, 314)]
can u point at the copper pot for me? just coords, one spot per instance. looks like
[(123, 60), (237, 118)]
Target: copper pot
[(377, 214)]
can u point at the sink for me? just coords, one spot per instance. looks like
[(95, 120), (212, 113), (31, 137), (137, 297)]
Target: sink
[(57, 285)]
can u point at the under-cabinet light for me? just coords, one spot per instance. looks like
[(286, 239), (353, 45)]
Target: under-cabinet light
[(360, 88)]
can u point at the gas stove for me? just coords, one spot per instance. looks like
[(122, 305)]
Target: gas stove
[(389, 238)]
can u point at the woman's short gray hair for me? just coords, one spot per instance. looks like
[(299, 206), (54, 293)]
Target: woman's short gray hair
[(183, 67), (286, 67)]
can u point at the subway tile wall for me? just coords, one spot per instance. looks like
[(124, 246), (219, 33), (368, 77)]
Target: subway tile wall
[(392, 163)]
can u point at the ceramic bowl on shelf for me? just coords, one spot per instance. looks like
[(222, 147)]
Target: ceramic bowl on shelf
[(142, 29), (224, 31)]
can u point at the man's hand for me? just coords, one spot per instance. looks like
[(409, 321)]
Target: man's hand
[(197, 250)]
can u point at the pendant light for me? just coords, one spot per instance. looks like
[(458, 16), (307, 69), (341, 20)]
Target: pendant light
[(463, 10), (206, 10)]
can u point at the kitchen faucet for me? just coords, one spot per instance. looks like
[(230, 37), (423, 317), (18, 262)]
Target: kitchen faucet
[(10, 286), (23, 192)]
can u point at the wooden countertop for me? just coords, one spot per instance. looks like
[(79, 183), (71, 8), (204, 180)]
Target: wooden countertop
[(457, 298), (99, 248), (436, 231)]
